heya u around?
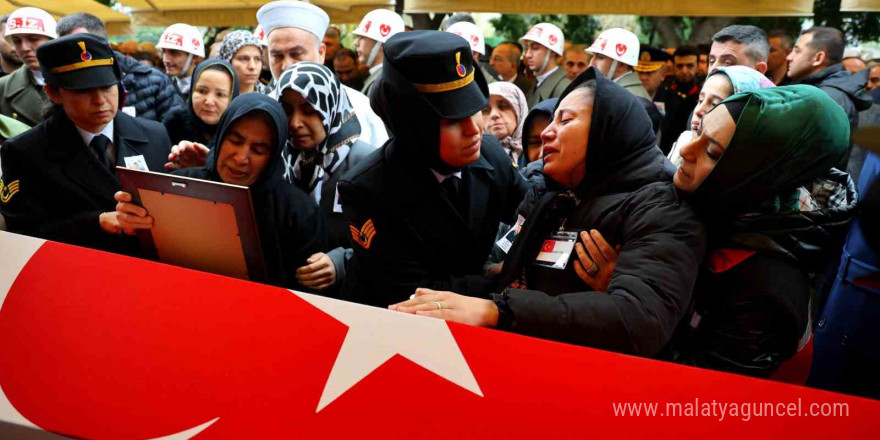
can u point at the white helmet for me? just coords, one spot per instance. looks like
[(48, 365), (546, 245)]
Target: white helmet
[(379, 25), (619, 45), (260, 35), (31, 21), (471, 33), (547, 35), (181, 36)]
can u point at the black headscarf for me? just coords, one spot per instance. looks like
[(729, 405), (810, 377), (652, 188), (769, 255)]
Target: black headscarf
[(200, 126), (244, 105), (622, 153)]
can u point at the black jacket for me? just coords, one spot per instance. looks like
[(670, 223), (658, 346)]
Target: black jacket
[(63, 188), (845, 89), (150, 91), (626, 195), (289, 223), (420, 239)]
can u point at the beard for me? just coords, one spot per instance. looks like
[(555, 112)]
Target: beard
[(11, 59)]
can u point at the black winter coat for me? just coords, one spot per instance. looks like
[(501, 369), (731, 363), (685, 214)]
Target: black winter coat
[(150, 91), (627, 196)]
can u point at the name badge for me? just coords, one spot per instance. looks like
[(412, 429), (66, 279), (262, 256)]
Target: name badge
[(507, 240), (337, 202), (129, 110), (557, 249), (136, 163)]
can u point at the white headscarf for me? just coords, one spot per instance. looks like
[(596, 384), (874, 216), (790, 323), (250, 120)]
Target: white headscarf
[(513, 143)]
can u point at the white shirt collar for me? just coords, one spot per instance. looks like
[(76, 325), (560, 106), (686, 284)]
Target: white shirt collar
[(38, 77), (88, 136), (544, 76), (375, 68), (443, 177), (183, 84)]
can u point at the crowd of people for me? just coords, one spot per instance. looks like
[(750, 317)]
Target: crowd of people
[(705, 205)]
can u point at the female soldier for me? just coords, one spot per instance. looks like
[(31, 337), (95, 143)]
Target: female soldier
[(604, 173), (244, 52), (323, 133), (250, 136), (423, 210), (214, 85)]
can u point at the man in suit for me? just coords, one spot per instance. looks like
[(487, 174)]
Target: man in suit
[(59, 178), (21, 92), (543, 43), (424, 209), (506, 60)]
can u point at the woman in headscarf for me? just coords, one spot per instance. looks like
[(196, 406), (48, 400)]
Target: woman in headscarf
[(250, 138), (604, 173), (533, 125), (504, 116), (243, 51), (322, 145), (214, 85), (721, 83), (760, 173)]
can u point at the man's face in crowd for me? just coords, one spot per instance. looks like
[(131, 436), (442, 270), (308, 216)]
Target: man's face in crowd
[(288, 46), (174, 60), (731, 53), (703, 64), (26, 47), (332, 44), (777, 60), (345, 69), (535, 56), (802, 59), (89, 109), (575, 62), (6, 49), (873, 78), (603, 64), (652, 80), (460, 140), (685, 68), (363, 46), (854, 65), (501, 60)]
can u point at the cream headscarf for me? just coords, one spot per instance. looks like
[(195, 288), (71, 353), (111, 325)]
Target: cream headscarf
[(513, 143)]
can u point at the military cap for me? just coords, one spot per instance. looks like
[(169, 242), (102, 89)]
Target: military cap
[(652, 59), (78, 61), (438, 67)]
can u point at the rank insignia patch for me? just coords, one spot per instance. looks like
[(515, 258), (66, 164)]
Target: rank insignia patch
[(364, 235)]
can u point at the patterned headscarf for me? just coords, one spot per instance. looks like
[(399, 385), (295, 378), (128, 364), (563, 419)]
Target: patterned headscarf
[(322, 90), (234, 41), (517, 100)]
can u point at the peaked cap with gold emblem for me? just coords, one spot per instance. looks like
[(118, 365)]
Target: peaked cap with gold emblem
[(78, 61), (439, 67)]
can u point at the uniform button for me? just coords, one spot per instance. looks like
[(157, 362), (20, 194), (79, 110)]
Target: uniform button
[(15, 116), (822, 323)]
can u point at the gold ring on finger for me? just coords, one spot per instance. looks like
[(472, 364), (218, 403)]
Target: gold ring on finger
[(439, 306)]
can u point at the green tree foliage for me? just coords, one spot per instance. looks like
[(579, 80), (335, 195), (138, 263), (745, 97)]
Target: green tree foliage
[(577, 28)]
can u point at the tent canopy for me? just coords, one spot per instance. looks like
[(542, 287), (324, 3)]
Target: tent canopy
[(860, 5), (117, 23)]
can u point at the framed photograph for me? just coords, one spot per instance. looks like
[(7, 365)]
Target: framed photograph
[(198, 224)]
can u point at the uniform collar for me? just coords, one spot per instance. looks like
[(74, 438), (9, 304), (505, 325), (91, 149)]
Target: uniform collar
[(545, 76), (88, 136), (442, 177), (375, 68)]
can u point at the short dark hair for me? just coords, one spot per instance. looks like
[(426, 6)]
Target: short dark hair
[(93, 24), (686, 51), (757, 45), (828, 40), (333, 31), (784, 37), (345, 53), (514, 58), (455, 18), (4, 18), (703, 49)]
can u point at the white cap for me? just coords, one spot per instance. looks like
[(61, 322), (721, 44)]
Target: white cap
[(295, 14), (260, 35), (547, 35), (617, 44), (380, 25), (181, 36), (852, 52), (470, 32), (31, 21)]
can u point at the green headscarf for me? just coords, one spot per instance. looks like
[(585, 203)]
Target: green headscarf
[(785, 137)]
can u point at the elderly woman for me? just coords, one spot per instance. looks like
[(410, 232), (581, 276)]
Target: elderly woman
[(214, 85), (760, 171), (243, 51), (722, 83), (604, 173), (504, 116), (323, 145)]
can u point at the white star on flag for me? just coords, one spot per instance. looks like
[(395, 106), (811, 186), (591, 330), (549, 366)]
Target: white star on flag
[(375, 335)]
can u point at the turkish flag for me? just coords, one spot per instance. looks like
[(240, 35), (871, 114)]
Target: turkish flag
[(548, 246), (99, 346)]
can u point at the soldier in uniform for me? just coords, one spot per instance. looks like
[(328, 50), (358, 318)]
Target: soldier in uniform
[(21, 92), (373, 31), (543, 43), (59, 177), (424, 209)]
